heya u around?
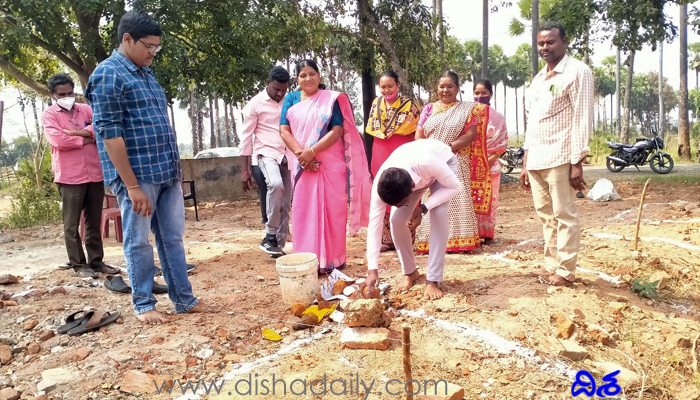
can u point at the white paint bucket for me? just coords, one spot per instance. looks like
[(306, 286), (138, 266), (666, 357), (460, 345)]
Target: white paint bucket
[(298, 275)]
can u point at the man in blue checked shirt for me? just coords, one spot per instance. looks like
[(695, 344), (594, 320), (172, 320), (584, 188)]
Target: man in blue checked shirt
[(141, 163)]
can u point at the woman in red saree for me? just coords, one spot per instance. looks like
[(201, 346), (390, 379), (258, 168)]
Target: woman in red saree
[(496, 144), (462, 125), (329, 168), (392, 121)]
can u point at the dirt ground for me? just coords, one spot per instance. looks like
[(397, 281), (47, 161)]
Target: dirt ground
[(494, 333)]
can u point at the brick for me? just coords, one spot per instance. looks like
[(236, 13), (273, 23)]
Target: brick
[(365, 338), (571, 350), (453, 392)]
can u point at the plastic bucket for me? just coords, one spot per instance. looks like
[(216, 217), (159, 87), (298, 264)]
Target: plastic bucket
[(298, 275)]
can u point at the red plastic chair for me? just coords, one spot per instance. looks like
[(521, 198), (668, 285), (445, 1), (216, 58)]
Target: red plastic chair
[(110, 211)]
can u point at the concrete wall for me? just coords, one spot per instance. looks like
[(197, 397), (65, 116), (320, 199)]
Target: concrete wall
[(216, 179)]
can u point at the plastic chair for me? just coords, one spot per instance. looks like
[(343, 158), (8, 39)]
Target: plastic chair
[(110, 210), (191, 195)]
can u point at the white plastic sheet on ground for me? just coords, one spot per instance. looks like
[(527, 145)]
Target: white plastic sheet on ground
[(603, 190)]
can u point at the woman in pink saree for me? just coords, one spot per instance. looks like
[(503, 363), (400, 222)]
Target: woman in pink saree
[(329, 168), (496, 144)]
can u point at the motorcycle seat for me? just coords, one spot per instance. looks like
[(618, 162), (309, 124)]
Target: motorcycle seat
[(620, 145)]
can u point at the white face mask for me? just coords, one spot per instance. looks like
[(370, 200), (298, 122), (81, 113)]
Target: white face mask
[(66, 102)]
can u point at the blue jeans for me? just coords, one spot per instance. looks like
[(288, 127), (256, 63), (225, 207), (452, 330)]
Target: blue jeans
[(168, 224)]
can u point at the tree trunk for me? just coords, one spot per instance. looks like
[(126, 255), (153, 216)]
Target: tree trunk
[(535, 27), (217, 126), (212, 134), (517, 129), (485, 40), (227, 126), (612, 118), (441, 28), (192, 113), (683, 128), (505, 99), (368, 87), (386, 44), (625, 131), (234, 129), (39, 154), (172, 118), (524, 115), (200, 129), (618, 92), (495, 90)]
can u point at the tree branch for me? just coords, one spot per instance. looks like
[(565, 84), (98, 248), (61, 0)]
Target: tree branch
[(355, 35), (20, 76), (385, 41)]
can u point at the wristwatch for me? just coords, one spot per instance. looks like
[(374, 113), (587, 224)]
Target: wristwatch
[(423, 208)]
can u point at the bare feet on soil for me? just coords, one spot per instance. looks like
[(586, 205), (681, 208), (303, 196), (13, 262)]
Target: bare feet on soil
[(152, 317), (407, 281), (556, 280), (432, 291)]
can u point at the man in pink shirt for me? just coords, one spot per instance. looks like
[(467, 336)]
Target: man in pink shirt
[(404, 177), (77, 172), (261, 139)]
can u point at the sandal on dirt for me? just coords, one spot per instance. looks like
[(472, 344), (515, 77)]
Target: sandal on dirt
[(85, 272), (159, 289), (115, 283), (106, 269), (94, 320), (71, 322)]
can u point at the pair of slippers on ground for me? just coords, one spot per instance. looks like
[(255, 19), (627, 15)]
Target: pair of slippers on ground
[(85, 321), (85, 271), (116, 283)]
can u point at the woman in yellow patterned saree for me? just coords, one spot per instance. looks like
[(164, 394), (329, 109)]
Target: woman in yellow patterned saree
[(463, 126), (392, 121)]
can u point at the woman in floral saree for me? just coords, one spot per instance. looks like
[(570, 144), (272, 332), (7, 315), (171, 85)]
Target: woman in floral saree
[(462, 125), (392, 121), (329, 168), (496, 144)]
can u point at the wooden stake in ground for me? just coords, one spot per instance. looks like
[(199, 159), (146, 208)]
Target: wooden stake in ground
[(406, 344), (639, 213)]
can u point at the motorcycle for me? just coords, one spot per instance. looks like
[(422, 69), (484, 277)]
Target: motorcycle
[(643, 152), (512, 158)]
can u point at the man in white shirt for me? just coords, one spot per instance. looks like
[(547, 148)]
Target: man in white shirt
[(402, 180), (560, 122), (261, 139)]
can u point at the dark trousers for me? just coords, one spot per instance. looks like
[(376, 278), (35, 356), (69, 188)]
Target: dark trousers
[(262, 190), (87, 198)]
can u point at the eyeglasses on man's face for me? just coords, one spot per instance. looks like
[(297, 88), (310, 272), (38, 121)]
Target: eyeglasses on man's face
[(152, 48)]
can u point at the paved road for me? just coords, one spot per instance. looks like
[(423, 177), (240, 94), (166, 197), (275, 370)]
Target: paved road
[(593, 173)]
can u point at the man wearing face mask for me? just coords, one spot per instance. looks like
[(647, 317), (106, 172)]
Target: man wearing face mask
[(77, 172)]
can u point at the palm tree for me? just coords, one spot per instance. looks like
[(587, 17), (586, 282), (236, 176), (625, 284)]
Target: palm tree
[(683, 128), (517, 74), (695, 60)]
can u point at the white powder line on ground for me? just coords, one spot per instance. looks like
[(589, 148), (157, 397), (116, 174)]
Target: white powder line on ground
[(676, 243), (244, 368), (620, 215), (500, 344), (502, 256), (673, 221), (524, 242), (601, 275)]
